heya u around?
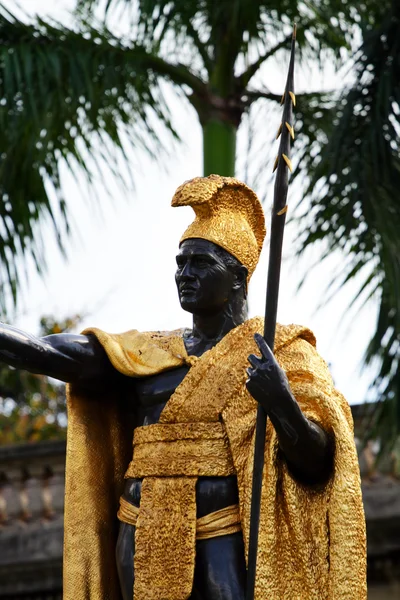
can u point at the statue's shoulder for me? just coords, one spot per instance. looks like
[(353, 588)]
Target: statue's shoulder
[(285, 334), (137, 354)]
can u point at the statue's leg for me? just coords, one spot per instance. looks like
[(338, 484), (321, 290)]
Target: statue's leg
[(220, 572), (124, 554)]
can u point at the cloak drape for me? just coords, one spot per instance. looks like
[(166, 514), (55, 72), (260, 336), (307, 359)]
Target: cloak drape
[(312, 538)]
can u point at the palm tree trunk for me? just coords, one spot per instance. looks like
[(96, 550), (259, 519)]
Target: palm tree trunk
[(219, 147)]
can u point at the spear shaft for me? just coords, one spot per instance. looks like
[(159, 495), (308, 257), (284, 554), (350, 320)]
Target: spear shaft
[(282, 164)]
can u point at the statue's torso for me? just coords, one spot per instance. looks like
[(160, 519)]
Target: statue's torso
[(152, 394)]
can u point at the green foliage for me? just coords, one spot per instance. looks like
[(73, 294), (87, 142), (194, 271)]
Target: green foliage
[(218, 38), (65, 96), (79, 96), (33, 407), (212, 26), (354, 182)]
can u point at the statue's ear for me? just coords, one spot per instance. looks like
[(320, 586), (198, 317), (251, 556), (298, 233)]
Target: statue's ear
[(240, 278)]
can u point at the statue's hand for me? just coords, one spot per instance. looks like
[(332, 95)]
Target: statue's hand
[(267, 381), (304, 443)]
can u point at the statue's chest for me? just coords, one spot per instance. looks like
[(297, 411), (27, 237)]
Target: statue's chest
[(196, 395), (152, 393)]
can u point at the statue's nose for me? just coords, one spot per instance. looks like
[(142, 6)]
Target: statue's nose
[(186, 273)]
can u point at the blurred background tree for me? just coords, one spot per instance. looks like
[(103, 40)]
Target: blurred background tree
[(70, 93), (33, 407)]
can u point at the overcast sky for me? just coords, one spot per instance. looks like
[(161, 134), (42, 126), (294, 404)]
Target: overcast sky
[(121, 258)]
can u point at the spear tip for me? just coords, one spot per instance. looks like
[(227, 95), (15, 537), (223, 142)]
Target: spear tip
[(294, 30)]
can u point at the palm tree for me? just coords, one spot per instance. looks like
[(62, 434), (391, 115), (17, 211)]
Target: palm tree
[(62, 89)]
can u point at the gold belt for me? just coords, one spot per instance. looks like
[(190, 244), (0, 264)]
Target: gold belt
[(181, 449), (215, 524), (170, 457)]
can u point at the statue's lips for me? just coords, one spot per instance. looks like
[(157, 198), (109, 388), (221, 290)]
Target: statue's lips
[(187, 290)]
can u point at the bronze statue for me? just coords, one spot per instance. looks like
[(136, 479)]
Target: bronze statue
[(191, 400)]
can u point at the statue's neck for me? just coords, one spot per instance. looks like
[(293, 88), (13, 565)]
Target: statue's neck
[(209, 329)]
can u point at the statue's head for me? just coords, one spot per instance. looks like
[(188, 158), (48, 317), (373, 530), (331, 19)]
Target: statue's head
[(208, 278), (220, 249)]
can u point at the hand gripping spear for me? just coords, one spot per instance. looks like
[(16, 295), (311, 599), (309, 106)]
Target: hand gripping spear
[(279, 209)]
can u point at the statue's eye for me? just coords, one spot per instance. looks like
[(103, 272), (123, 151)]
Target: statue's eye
[(201, 263), (180, 263)]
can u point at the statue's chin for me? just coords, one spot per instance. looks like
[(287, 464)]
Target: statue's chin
[(189, 301), (190, 306), (196, 304)]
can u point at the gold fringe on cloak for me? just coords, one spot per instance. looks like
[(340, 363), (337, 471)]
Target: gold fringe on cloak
[(312, 539)]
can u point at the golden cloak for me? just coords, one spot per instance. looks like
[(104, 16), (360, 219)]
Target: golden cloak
[(312, 538)]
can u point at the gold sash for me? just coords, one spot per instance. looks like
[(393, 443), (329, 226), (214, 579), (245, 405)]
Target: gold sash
[(215, 524), (184, 449)]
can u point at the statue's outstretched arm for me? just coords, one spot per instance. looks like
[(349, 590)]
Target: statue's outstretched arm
[(305, 445), (64, 356)]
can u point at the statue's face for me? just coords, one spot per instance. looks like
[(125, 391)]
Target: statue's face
[(203, 280)]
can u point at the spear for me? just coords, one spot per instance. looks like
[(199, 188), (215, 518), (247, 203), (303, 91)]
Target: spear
[(279, 209)]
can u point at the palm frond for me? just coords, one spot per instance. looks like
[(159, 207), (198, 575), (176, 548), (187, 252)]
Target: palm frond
[(63, 95), (313, 122), (228, 30), (354, 171)]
